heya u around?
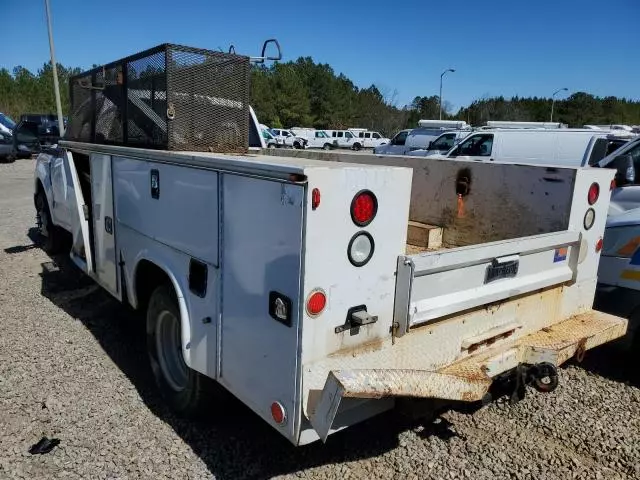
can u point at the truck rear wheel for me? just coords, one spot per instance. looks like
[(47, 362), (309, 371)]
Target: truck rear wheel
[(184, 389), (53, 237)]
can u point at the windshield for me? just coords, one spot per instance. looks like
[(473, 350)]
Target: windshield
[(7, 121), (321, 134)]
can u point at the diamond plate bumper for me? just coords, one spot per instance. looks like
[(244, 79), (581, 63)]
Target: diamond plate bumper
[(470, 378)]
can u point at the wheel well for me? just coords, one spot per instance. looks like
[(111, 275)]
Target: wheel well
[(148, 277)]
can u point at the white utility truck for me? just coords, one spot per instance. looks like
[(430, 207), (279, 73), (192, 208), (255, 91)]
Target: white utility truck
[(315, 289)]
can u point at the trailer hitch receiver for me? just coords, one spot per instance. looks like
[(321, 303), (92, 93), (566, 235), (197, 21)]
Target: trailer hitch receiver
[(542, 376)]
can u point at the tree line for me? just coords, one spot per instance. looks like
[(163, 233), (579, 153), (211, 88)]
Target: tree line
[(305, 93)]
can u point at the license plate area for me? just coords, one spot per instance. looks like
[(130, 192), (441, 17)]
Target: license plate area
[(502, 268)]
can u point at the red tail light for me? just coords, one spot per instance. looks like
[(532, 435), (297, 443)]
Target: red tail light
[(316, 303), (613, 184), (315, 198), (594, 193), (364, 207), (599, 244), (278, 413)]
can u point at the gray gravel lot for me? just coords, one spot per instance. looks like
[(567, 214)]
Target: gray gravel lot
[(73, 366)]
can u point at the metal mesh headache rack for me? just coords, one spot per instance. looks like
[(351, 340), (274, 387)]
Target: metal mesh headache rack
[(169, 97)]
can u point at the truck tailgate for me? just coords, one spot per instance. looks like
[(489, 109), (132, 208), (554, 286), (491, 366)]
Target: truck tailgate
[(431, 285)]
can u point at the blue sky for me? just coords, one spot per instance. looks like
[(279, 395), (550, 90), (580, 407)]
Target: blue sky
[(498, 47)]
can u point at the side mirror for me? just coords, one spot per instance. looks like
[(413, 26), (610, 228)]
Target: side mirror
[(625, 170), (430, 147), (454, 152)]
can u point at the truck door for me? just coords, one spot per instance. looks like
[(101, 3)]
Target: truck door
[(105, 258)]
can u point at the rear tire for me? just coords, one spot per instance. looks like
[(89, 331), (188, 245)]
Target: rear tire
[(54, 239), (185, 390)]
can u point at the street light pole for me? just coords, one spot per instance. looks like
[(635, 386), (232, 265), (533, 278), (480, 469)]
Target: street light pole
[(56, 86), (553, 100), (442, 75)]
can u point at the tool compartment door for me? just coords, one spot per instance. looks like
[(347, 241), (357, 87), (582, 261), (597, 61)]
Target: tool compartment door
[(261, 256), (105, 257), (436, 284)]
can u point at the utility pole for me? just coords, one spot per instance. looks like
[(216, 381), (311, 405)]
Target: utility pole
[(553, 100), (442, 75), (56, 86)]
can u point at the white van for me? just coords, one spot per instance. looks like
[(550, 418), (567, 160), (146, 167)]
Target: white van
[(369, 138), (575, 147), (406, 141), (345, 139), (288, 138), (315, 138)]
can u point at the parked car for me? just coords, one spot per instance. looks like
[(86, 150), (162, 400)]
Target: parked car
[(419, 138), (315, 138), (371, 139), (6, 124), (7, 149), (269, 139), (26, 139), (46, 129), (345, 139), (442, 144), (288, 138)]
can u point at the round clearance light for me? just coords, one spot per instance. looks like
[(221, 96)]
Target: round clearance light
[(364, 207), (589, 218), (316, 302), (594, 193), (278, 413), (360, 249)]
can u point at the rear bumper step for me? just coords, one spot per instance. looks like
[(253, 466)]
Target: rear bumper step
[(468, 380)]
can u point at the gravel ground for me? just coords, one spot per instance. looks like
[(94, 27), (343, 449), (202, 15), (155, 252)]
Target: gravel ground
[(73, 366)]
